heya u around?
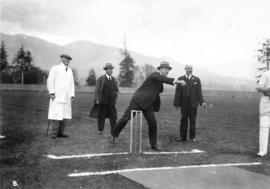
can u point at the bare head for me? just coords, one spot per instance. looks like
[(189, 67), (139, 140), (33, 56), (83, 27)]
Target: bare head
[(189, 69)]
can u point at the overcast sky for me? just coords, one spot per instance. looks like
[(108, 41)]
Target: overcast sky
[(215, 34)]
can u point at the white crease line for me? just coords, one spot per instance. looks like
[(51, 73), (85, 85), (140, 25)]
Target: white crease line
[(120, 153), (83, 174), (85, 155), (194, 151)]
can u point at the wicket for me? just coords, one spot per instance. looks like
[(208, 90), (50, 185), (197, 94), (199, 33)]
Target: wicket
[(136, 118)]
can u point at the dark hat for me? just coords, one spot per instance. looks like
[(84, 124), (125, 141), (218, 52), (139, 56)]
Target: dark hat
[(108, 66), (65, 56), (164, 64)]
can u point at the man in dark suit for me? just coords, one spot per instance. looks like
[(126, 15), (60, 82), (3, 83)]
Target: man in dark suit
[(187, 98), (106, 92), (147, 99)]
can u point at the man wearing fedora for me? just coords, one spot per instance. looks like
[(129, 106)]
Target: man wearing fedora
[(147, 99), (187, 98), (60, 84), (106, 92)]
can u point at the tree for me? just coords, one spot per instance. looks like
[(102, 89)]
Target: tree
[(264, 58), (22, 63), (148, 69), (91, 79), (3, 57), (126, 73), (75, 76)]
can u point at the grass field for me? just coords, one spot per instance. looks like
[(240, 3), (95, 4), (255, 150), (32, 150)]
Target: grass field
[(227, 131)]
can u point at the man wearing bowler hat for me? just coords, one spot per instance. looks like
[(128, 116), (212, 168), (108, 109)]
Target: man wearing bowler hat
[(60, 84), (147, 99), (106, 92)]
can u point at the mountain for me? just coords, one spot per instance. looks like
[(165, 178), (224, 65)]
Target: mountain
[(87, 55)]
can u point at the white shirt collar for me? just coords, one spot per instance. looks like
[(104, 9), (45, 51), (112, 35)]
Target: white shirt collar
[(66, 67), (188, 76), (108, 77)]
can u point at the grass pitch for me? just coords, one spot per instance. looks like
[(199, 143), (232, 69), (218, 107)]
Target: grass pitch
[(227, 131)]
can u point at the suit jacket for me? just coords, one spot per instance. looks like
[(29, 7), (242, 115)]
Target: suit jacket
[(99, 87), (189, 95), (148, 94)]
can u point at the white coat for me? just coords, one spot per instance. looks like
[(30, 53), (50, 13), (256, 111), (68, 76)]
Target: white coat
[(61, 83)]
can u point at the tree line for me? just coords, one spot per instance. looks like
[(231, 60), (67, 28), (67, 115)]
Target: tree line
[(21, 70), (130, 75)]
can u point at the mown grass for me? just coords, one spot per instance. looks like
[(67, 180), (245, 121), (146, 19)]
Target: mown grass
[(228, 132)]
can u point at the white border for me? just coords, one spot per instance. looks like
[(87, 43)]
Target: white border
[(83, 174)]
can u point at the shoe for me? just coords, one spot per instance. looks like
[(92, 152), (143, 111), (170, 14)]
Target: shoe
[(60, 135), (193, 140), (260, 155), (180, 140), (155, 148), (1, 137), (53, 137), (100, 132), (112, 140)]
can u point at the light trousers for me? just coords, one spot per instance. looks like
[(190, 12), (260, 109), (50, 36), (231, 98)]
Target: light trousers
[(264, 134)]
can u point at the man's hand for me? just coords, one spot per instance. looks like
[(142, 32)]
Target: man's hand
[(204, 105), (52, 96), (266, 94), (182, 82), (97, 101)]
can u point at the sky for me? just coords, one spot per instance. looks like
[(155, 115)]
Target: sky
[(220, 35)]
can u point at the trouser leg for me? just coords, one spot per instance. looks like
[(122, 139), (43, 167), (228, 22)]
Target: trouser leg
[(264, 134), (192, 118), (184, 123), (152, 125), (125, 118), (101, 117), (62, 126), (113, 117), (55, 127)]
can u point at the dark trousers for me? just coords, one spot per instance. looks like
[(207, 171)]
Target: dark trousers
[(188, 113), (58, 127), (104, 111), (149, 116)]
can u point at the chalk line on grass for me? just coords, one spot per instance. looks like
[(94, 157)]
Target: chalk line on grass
[(83, 174), (193, 151)]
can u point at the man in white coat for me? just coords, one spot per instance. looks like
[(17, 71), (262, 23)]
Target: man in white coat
[(60, 84), (264, 88)]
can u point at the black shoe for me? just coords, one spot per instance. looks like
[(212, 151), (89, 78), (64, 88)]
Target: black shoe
[(100, 133), (155, 148), (180, 140), (60, 135), (54, 137)]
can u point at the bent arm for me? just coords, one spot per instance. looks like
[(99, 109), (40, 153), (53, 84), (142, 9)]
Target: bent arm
[(163, 79), (97, 89)]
